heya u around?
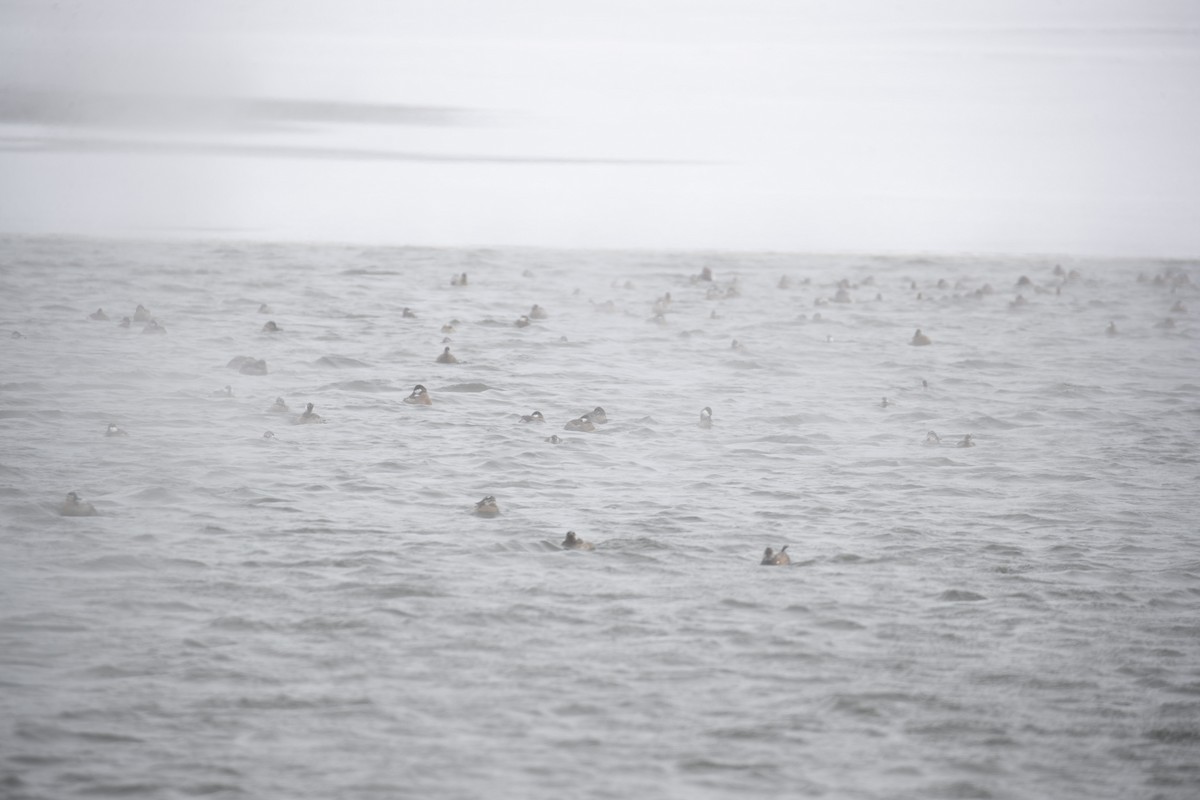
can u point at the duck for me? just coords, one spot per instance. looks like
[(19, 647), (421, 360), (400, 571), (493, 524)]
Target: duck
[(554, 439), (773, 559), (141, 314), (124, 323), (226, 392), (268, 434), (573, 542), (1018, 302), (98, 314), (487, 507), (583, 423), (705, 275), (706, 417), (263, 308), (884, 403), (271, 327), (75, 506), (598, 416), (408, 313), (459, 280), (419, 397), (537, 312), (536, 416), (1179, 308), (932, 439), (448, 327), (278, 407), (967, 441), (522, 322), (447, 357), (114, 430), (920, 339), (1111, 330), (309, 417), (153, 326)]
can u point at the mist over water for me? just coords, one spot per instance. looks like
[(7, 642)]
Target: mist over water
[(319, 613)]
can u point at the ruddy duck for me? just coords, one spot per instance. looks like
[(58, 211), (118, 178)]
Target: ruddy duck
[(153, 326), (598, 416), (487, 507), (534, 417), (537, 312), (522, 322), (114, 430), (919, 339), (573, 542), (141, 314), (932, 439), (419, 397), (447, 357), (74, 506), (1019, 302), (309, 416), (773, 559), (271, 327), (278, 407), (268, 435), (583, 423), (967, 441), (124, 323), (407, 313), (99, 314), (264, 309), (448, 328), (706, 417)]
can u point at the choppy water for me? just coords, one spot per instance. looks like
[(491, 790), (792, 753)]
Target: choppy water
[(321, 615)]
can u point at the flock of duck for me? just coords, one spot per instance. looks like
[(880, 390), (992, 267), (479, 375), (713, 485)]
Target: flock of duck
[(75, 506)]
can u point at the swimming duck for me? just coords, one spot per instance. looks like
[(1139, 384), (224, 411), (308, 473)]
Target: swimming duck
[(271, 327), (268, 435), (447, 357), (114, 430), (226, 392), (573, 542), (536, 416), (448, 328), (124, 323), (153, 326), (705, 275), (74, 506), (309, 417), (920, 339), (1019, 302), (932, 438), (537, 312), (773, 559), (598, 416), (487, 507), (967, 441), (99, 314), (522, 322), (459, 280), (583, 423), (141, 314), (264, 309), (706, 417), (419, 397), (407, 313), (553, 439), (1179, 308), (884, 403), (1111, 330), (278, 407)]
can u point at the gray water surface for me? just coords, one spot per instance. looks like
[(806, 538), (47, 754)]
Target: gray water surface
[(319, 614)]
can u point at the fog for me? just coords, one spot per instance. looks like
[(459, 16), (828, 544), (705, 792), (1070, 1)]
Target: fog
[(936, 126)]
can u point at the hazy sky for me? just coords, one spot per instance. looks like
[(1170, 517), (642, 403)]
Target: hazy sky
[(1062, 127)]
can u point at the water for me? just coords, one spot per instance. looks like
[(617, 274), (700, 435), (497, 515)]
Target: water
[(319, 614)]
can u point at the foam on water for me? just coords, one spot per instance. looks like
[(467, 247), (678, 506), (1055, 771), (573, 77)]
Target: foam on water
[(319, 614)]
